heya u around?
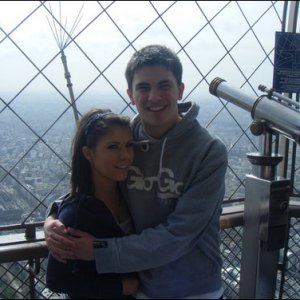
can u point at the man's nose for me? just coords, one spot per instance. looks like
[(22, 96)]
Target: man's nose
[(153, 95)]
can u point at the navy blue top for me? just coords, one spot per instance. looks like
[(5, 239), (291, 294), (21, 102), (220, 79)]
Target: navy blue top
[(78, 278)]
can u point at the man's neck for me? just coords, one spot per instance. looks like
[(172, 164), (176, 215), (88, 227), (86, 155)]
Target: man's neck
[(160, 131)]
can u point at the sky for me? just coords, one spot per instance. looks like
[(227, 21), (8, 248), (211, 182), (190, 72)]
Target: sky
[(212, 38)]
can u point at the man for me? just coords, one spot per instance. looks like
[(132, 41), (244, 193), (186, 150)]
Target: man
[(175, 191)]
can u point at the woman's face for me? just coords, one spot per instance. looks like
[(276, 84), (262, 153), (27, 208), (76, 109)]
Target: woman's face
[(113, 155)]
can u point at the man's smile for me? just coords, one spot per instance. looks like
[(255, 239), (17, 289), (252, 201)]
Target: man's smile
[(156, 108)]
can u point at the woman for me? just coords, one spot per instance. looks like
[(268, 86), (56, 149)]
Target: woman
[(102, 153)]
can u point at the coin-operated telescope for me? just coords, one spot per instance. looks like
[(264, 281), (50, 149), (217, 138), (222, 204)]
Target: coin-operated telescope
[(278, 113), (266, 195)]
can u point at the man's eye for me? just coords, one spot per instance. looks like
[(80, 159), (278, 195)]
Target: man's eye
[(113, 146), (165, 86), (142, 88)]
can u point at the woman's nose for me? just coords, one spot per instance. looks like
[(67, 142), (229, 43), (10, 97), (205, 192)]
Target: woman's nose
[(127, 154)]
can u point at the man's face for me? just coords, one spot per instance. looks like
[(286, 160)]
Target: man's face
[(155, 93)]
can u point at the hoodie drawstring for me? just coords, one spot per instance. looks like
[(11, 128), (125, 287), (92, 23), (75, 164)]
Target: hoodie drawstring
[(161, 156), (145, 146)]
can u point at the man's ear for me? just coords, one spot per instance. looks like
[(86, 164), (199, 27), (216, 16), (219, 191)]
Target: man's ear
[(129, 93), (86, 151), (181, 90)]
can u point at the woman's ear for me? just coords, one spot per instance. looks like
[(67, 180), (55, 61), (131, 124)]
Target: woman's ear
[(86, 151)]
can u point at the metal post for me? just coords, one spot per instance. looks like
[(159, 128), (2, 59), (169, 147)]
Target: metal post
[(69, 85), (265, 224), (283, 142)]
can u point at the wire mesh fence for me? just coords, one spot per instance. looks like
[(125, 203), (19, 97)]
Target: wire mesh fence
[(36, 108), (233, 40)]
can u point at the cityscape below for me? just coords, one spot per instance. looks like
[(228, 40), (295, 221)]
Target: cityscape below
[(35, 158)]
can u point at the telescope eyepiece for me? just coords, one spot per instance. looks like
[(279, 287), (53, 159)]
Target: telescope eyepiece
[(214, 85)]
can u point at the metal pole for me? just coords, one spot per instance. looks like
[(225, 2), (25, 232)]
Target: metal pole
[(283, 143), (265, 224), (69, 85)]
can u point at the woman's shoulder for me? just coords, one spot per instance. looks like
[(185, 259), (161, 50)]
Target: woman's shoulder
[(67, 200), (68, 208)]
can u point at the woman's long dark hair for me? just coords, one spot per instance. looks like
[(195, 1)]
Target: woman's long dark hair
[(95, 124)]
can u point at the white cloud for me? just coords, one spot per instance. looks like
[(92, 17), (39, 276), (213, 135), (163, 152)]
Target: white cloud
[(101, 41)]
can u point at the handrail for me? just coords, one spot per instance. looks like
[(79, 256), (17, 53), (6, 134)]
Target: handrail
[(20, 226), (23, 251), (17, 248), (232, 216)]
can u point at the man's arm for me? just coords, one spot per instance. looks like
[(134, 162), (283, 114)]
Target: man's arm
[(196, 209)]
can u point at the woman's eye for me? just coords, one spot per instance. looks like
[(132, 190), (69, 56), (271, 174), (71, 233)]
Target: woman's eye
[(113, 147)]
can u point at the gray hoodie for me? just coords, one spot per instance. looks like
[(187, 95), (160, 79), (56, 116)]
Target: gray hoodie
[(175, 191)]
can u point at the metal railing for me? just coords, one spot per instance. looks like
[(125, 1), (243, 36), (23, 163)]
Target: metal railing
[(23, 259)]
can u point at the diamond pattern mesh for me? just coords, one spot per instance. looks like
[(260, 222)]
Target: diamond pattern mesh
[(234, 40), (229, 39)]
